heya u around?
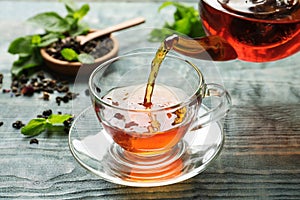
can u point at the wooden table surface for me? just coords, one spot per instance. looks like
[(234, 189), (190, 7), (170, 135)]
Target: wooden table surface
[(260, 158)]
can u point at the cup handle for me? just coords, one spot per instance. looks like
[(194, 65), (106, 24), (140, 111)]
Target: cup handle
[(217, 102)]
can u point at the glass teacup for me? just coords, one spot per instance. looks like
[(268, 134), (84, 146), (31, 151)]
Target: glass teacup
[(117, 89)]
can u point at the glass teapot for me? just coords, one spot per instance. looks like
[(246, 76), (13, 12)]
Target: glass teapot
[(258, 30)]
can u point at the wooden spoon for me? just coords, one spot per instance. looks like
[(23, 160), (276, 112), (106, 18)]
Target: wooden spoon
[(127, 24)]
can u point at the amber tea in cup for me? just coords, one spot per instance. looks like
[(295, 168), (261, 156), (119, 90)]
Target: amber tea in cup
[(140, 130)]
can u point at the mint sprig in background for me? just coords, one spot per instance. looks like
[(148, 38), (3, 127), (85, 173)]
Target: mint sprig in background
[(186, 20)]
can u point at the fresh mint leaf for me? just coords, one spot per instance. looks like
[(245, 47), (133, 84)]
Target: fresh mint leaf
[(58, 119), (86, 58), (38, 125), (34, 127), (81, 29), (69, 54), (50, 38), (76, 26), (183, 26), (79, 14), (21, 45), (23, 63), (27, 64), (73, 23), (50, 21), (74, 18)]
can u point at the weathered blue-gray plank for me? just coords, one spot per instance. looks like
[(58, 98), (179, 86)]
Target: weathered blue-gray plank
[(260, 159)]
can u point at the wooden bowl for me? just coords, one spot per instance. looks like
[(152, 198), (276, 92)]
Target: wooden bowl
[(72, 68)]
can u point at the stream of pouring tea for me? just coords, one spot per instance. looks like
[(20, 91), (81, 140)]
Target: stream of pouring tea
[(155, 64), (207, 48)]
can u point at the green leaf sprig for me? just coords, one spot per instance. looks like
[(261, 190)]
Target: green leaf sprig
[(186, 21), (56, 27), (38, 125)]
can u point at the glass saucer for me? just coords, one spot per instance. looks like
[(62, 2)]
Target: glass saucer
[(96, 151)]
